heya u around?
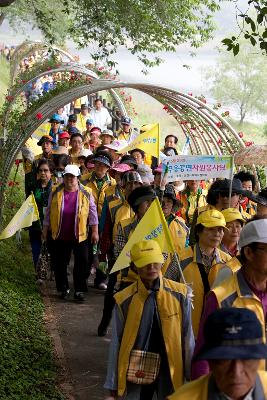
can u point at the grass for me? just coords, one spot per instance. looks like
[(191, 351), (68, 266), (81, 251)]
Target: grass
[(27, 368), (252, 131), (4, 78)]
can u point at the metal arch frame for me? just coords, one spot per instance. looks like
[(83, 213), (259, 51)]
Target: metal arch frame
[(33, 46), (72, 64), (177, 100), (70, 94)]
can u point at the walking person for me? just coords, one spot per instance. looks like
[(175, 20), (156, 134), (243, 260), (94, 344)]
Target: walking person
[(234, 347), (71, 211), (41, 191), (151, 320)]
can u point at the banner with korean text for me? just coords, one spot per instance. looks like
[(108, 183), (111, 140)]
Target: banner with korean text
[(183, 167)]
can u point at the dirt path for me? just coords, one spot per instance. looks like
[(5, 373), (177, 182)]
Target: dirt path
[(82, 355)]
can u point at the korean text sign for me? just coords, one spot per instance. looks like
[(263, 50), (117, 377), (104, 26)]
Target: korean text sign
[(196, 167)]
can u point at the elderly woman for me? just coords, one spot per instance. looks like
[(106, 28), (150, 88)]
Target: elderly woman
[(41, 191), (71, 210), (234, 224), (197, 261), (152, 318), (76, 143)]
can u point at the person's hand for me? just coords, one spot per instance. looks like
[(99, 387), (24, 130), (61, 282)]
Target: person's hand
[(94, 238)]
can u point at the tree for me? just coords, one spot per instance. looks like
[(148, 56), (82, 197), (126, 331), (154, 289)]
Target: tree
[(240, 81), (252, 24), (141, 26)]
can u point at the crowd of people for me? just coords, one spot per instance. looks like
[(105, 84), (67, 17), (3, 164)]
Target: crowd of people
[(191, 326)]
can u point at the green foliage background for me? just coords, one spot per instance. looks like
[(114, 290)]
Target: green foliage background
[(27, 367)]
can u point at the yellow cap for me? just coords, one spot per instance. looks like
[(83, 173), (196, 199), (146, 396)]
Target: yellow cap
[(232, 214), (146, 252), (211, 219)]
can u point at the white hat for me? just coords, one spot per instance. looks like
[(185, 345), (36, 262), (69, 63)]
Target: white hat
[(85, 153), (254, 232), (117, 145), (72, 169), (107, 132)]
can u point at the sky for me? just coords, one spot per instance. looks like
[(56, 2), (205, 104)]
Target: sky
[(171, 73)]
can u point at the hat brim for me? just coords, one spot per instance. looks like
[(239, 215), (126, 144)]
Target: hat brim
[(56, 120), (140, 200), (213, 225), (258, 199), (70, 173), (149, 259), (102, 161), (106, 134), (45, 140), (242, 352), (176, 202), (225, 191)]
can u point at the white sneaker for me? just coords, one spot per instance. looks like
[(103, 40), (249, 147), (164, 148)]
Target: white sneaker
[(102, 286)]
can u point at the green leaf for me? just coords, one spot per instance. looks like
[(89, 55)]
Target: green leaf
[(260, 18), (236, 49), (252, 41), (227, 41)]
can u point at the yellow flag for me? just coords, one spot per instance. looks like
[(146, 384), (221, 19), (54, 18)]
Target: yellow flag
[(43, 129), (152, 226), (26, 215), (147, 141)]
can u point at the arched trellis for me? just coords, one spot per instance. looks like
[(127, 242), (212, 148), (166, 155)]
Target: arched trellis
[(204, 139), (64, 67), (27, 48), (12, 147)]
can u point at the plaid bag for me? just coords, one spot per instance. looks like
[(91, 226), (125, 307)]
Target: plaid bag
[(143, 367), (43, 264)]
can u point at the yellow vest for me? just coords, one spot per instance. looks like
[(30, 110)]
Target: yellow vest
[(99, 195), (114, 193), (170, 314), (192, 276), (234, 264), (235, 292), (128, 226), (81, 219), (198, 389), (179, 233), (190, 204), (123, 212), (81, 122)]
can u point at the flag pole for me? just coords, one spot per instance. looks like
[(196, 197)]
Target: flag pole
[(231, 179), (180, 268)]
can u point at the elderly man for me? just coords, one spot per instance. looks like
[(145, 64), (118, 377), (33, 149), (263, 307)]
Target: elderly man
[(126, 132), (234, 348), (152, 315), (246, 288), (100, 115)]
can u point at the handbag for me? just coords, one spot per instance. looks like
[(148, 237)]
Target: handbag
[(43, 264), (143, 367)]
